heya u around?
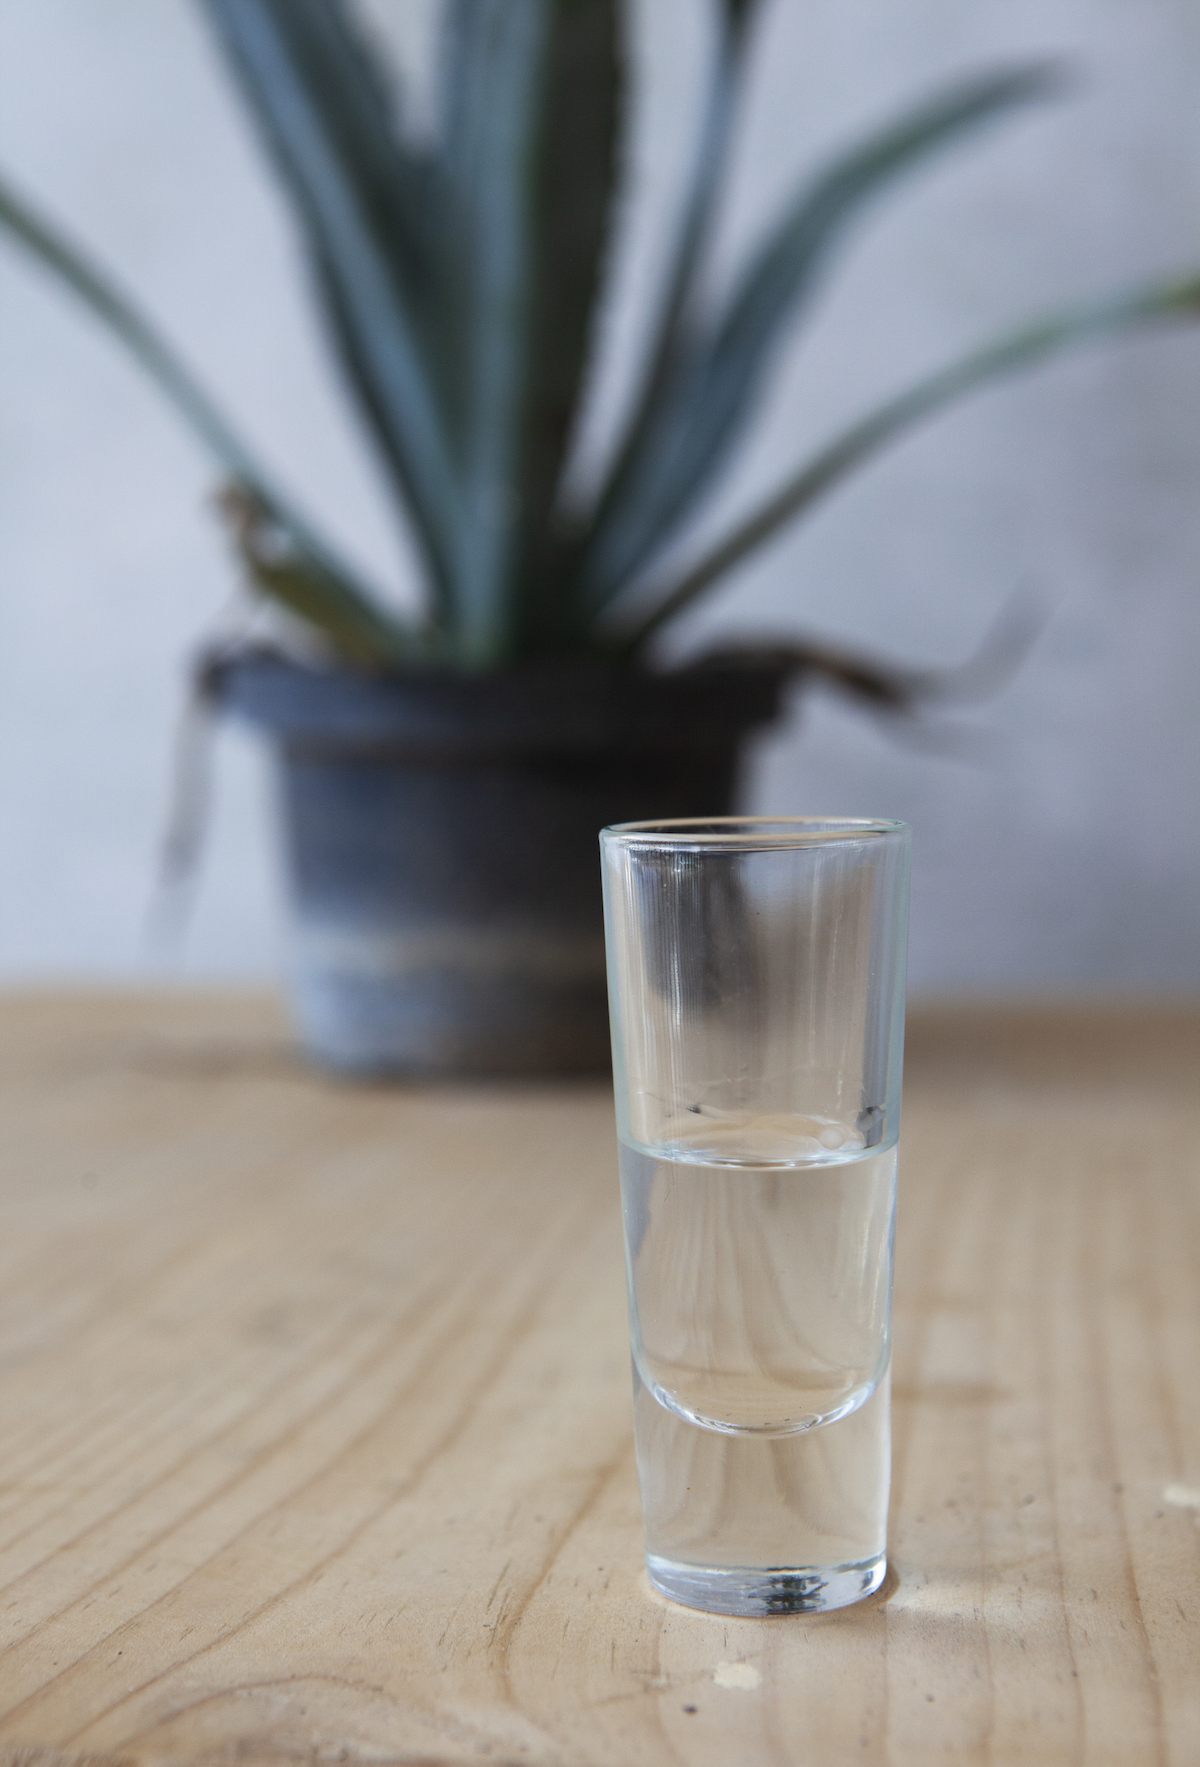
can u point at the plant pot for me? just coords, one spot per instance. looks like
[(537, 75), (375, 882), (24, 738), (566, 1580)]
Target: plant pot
[(442, 842)]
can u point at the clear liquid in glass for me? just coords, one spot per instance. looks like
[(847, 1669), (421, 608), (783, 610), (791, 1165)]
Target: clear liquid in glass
[(760, 1262)]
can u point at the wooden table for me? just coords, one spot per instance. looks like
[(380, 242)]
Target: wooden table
[(315, 1421)]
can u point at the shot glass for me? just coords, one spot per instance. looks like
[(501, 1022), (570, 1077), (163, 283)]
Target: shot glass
[(756, 986)]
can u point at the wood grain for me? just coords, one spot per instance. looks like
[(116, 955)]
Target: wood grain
[(315, 1437)]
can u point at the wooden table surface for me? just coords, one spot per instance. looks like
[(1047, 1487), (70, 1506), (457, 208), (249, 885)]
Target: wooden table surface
[(315, 1436)]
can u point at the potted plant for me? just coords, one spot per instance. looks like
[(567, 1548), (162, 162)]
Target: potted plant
[(445, 776)]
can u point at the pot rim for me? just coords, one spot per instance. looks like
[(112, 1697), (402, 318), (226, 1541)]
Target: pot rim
[(580, 708)]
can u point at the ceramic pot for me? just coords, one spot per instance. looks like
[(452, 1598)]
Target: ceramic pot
[(441, 832)]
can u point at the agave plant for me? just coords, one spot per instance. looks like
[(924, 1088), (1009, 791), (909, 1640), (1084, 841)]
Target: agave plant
[(460, 281)]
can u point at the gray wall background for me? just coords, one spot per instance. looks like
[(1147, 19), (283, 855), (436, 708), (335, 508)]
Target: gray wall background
[(1057, 853)]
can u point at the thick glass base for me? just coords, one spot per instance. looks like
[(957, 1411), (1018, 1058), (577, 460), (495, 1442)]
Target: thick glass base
[(751, 1524), (751, 1592)]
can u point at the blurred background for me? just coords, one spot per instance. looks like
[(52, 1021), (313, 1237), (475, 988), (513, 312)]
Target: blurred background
[(1057, 850)]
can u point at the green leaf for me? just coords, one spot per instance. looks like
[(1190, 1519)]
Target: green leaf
[(695, 417), (668, 354), (365, 204), (739, 12), (334, 597), (496, 54), (1175, 300), (55, 252), (357, 629), (530, 101), (573, 171)]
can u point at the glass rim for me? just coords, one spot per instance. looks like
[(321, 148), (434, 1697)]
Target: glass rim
[(750, 833)]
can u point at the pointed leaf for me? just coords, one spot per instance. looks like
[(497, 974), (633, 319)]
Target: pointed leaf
[(739, 12), (573, 175), (119, 314), (1178, 299), (358, 630), (320, 110), (666, 361), (530, 98), (496, 59), (699, 414), (334, 597)]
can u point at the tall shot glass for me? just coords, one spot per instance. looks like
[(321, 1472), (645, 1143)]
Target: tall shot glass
[(756, 983)]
